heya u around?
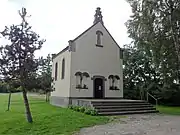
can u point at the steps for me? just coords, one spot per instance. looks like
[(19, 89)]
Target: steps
[(127, 112), (122, 107)]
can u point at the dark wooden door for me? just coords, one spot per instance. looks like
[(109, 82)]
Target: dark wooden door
[(98, 88)]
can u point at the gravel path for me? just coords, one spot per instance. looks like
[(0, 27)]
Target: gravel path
[(146, 124)]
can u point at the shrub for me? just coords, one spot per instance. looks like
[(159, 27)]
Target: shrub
[(82, 109), (70, 107), (87, 111), (77, 108), (94, 112)]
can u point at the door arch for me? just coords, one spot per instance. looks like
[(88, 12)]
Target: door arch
[(99, 87)]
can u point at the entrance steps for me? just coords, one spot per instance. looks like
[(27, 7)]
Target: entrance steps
[(122, 107)]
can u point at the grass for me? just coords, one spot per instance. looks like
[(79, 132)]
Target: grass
[(48, 119), (169, 110)]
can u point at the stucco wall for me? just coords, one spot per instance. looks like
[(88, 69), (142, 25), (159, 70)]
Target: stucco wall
[(62, 86), (102, 61)]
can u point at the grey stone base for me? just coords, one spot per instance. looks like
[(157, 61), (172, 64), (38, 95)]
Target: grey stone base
[(59, 101), (79, 101), (65, 101)]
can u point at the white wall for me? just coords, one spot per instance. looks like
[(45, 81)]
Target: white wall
[(102, 61), (62, 86)]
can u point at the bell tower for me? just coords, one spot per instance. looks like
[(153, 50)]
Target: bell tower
[(98, 16)]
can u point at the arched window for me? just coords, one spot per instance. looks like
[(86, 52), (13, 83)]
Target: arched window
[(111, 77), (81, 80), (78, 79), (114, 82), (63, 69), (85, 76), (56, 70), (117, 79), (99, 39)]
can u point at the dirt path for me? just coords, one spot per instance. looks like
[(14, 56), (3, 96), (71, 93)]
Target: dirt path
[(146, 124)]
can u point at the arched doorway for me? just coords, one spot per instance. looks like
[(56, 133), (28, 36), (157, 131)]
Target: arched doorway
[(99, 88)]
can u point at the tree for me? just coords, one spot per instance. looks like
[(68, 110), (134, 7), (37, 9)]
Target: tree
[(154, 26), (140, 74), (7, 86), (17, 61), (45, 79)]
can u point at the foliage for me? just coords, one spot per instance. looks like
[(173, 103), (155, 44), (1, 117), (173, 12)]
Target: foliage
[(17, 60), (82, 109), (3, 87), (44, 77), (151, 62), (60, 120), (86, 110), (141, 76), (93, 112)]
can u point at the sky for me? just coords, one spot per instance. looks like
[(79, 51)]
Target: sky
[(59, 21)]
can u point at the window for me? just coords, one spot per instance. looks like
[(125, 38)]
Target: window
[(117, 79), (85, 76), (113, 82), (99, 34), (63, 69), (81, 80), (56, 69), (78, 79)]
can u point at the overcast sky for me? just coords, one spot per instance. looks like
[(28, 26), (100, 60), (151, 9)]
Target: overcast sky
[(61, 20)]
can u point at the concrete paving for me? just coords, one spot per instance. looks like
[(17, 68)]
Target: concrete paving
[(141, 124)]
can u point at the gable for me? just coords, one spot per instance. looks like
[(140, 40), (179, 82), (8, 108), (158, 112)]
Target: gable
[(80, 36), (96, 60), (85, 32), (89, 38)]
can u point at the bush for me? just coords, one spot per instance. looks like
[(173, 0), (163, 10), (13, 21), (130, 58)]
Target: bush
[(87, 111), (94, 112), (70, 107), (82, 109), (77, 108)]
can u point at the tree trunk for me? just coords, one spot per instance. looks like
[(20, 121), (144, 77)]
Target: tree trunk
[(46, 96), (9, 101), (26, 103)]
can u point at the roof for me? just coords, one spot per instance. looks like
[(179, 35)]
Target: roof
[(66, 48), (85, 31), (63, 50)]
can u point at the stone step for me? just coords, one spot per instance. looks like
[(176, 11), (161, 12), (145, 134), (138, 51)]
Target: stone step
[(124, 109), (128, 112), (118, 101), (118, 104), (132, 106)]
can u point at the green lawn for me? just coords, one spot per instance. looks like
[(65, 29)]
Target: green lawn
[(169, 110), (48, 119)]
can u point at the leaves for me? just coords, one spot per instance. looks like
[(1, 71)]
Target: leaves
[(44, 77), (152, 62), (17, 59)]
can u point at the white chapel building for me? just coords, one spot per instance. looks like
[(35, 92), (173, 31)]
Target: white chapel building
[(90, 67)]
